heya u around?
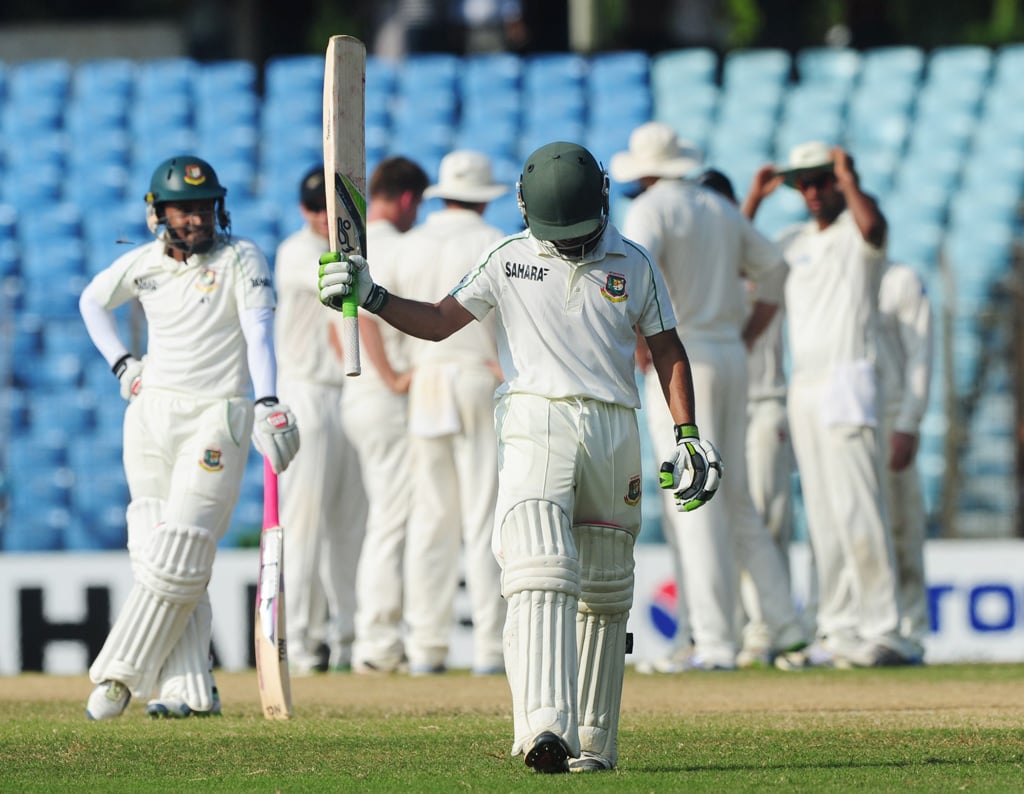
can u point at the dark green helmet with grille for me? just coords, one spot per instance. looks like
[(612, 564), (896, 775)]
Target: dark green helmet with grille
[(184, 178), (563, 193)]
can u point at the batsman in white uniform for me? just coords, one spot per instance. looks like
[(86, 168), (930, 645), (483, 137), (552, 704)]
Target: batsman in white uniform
[(570, 295), (209, 301), (704, 248), (375, 409), (323, 505), (905, 364), (452, 442), (836, 261)]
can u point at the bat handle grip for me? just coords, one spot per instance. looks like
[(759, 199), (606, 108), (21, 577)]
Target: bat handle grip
[(350, 332), (270, 511)]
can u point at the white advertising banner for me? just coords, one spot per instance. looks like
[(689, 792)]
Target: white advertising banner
[(56, 608)]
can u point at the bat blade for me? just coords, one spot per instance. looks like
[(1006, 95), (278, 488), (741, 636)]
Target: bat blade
[(344, 129), (271, 649)]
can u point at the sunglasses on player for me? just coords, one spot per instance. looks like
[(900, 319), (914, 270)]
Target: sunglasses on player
[(819, 181)]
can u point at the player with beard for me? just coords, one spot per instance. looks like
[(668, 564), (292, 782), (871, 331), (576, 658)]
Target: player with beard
[(208, 300)]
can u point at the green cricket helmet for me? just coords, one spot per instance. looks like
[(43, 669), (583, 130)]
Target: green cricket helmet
[(184, 178), (563, 194)]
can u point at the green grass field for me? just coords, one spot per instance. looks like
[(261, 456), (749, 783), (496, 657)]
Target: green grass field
[(934, 729)]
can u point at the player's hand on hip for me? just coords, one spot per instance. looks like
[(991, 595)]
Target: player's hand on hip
[(346, 275), (128, 370), (694, 472), (275, 433)]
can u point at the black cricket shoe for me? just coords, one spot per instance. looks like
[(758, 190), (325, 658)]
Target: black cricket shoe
[(549, 754)]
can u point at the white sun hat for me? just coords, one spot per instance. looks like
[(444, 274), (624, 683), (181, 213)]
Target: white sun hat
[(656, 151), (467, 176), (807, 158)]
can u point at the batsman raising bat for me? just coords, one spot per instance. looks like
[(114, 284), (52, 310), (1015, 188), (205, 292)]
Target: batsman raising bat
[(569, 295), (209, 301)]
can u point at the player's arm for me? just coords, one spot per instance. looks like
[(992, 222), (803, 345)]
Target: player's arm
[(864, 208), (765, 182), (668, 356), (760, 317), (695, 468), (431, 321)]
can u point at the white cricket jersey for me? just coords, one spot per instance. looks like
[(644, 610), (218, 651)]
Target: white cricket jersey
[(831, 295), (567, 329), (904, 346), (302, 325), (382, 239), (704, 246), (438, 253), (195, 341)]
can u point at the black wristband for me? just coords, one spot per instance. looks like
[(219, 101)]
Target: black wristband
[(377, 299), (121, 365), (268, 401)]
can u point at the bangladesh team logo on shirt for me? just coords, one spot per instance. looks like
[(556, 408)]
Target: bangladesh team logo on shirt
[(614, 288), (207, 281)]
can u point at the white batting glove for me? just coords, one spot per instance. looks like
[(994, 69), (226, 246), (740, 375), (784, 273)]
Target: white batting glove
[(128, 370), (694, 471), (275, 433), (340, 275)]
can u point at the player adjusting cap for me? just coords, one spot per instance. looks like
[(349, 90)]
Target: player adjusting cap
[(563, 191)]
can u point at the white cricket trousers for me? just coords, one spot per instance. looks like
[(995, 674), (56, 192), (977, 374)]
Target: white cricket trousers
[(726, 535), (323, 511), (376, 423), (840, 475), (455, 478), (909, 524)]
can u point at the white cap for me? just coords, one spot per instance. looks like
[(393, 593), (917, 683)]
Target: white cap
[(465, 175), (655, 150)]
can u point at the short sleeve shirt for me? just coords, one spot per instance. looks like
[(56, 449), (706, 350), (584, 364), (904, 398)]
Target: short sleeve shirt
[(568, 330)]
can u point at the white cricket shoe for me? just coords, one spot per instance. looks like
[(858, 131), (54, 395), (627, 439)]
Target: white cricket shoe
[(172, 708), (873, 655), (590, 762), (814, 655), (107, 701)]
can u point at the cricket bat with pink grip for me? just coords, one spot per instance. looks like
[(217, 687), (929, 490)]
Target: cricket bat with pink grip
[(271, 649), (345, 169)]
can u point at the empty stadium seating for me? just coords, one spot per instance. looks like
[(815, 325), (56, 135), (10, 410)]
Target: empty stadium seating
[(937, 135)]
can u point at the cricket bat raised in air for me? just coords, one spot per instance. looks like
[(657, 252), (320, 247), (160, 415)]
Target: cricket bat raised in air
[(345, 168), (271, 650)]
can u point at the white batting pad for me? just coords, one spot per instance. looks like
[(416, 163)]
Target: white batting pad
[(170, 578), (186, 673), (541, 582), (606, 595)]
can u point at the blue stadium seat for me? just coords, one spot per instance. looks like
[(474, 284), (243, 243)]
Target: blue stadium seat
[(675, 70), (99, 79), (381, 75), (432, 73), (891, 65), (61, 221), (228, 111), (218, 80), (748, 69), (35, 80), (294, 75), (161, 80), (10, 264), (837, 67), (98, 188), (956, 63), (96, 118), (618, 71), (544, 73), (30, 188), (481, 76)]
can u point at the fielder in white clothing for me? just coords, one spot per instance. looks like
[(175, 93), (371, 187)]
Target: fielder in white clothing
[(209, 301), (704, 248), (905, 365), (836, 261), (374, 416), (569, 296), (323, 505), (452, 442)]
